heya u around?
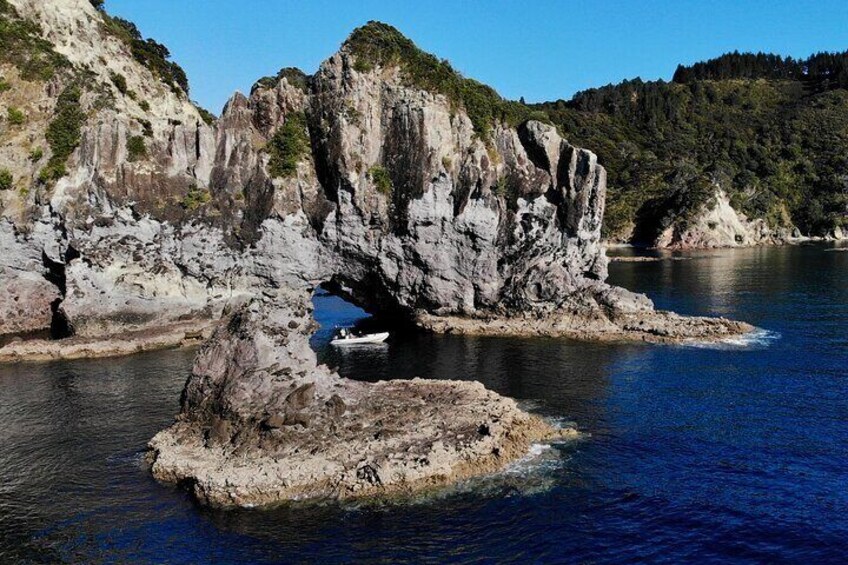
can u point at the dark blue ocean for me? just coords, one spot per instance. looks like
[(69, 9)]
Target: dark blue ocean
[(736, 453)]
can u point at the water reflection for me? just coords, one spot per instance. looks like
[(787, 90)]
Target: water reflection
[(690, 454), (728, 281), (564, 377)]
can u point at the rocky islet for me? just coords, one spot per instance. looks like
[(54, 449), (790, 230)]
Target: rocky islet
[(357, 177)]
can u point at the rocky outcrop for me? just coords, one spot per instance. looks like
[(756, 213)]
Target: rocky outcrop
[(403, 207), (397, 200), (718, 224), (142, 150), (359, 177), (262, 423), (26, 303)]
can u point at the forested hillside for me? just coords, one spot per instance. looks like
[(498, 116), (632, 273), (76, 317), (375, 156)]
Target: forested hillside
[(770, 131)]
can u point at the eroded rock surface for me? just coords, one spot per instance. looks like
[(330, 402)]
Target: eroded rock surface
[(713, 224), (358, 176), (262, 423), (397, 199)]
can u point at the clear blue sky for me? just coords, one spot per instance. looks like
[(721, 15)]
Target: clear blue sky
[(542, 50)]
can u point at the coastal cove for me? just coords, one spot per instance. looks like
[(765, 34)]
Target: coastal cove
[(727, 452)]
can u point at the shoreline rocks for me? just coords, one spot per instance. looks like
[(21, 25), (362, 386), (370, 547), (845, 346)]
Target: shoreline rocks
[(127, 343), (358, 176), (657, 326), (262, 423), (716, 224)]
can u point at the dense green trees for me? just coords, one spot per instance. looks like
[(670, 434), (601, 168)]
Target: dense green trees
[(819, 72), (774, 139)]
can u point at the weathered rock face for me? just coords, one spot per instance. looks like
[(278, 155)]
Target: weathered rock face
[(714, 224), (261, 423), (444, 240), (353, 177), (464, 228), (718, 224), (28, 295), (397, 200), (463, 236), (93, 234)]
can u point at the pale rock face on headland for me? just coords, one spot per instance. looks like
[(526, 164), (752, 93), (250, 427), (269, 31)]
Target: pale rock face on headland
[(359, 177), (715, 224)]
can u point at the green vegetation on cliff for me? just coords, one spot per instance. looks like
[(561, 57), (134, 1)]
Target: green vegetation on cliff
[(15, 116), (378, 44), (777, 144), (289, 144), (293, 76), (381, 179), (148, 52), (120, 82), (6, 179), (21, 45), (195, 198), (136, 149), (205, 115), (63, 133)]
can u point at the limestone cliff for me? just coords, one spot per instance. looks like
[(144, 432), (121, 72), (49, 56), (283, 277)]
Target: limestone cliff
[(365, 175), (104, 153), (403, 185), (718, 224)]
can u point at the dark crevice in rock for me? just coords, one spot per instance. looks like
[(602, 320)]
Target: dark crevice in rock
[(259, 202), (60, 326), (71, 254), (535, 152), (197, 144), (323, 147), (462, 192), (55, 272), (317, 207), (406, 157), (652, 218)]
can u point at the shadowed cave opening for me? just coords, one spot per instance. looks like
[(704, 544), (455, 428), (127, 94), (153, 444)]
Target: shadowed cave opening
[(335, 308), (60, 326)]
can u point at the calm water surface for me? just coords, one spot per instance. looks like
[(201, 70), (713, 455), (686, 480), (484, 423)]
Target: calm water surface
[(691, 454)]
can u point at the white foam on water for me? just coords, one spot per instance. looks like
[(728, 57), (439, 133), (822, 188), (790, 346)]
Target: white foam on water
[(536, 472), (137, 459), (562, 423), (529, 463), (758, 339)]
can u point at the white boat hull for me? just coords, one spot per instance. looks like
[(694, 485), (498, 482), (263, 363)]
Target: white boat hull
[(364, 340)]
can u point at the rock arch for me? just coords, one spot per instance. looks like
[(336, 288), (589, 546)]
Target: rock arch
[(398, 196), (467, 258)]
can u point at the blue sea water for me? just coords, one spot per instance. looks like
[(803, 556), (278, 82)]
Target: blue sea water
[(736, 453)]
